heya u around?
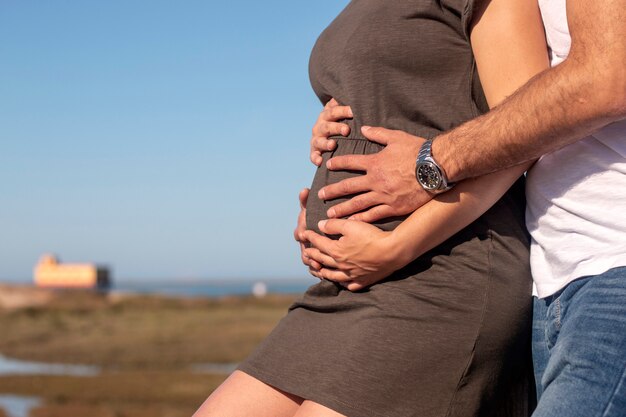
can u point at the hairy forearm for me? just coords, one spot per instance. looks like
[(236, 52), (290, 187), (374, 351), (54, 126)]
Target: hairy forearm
[(557, 107), (448, 213)]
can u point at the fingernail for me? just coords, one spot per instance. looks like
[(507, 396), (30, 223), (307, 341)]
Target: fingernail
[(329, 164), (321, 224), (331, 212), (330, 145), (345, 130), (321, 194), (350, 112), (351, 218), (365, 128)]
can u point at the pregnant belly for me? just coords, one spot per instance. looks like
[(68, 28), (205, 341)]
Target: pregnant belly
[(317, 208)]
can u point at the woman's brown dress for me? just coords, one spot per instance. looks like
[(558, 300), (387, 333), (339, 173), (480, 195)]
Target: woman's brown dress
[(448, 335)]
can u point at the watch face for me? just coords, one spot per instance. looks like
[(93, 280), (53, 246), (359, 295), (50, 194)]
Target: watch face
[(428, 176)]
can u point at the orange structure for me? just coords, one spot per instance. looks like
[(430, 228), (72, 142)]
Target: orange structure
[(49, 272)]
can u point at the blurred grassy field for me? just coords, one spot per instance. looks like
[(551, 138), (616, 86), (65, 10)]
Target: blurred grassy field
[(145, 344)]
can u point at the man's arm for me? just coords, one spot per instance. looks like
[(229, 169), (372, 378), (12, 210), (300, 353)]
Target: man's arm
[(557, 107)]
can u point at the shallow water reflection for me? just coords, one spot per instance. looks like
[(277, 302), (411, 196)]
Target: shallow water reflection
[(10, 366), (18, 406)]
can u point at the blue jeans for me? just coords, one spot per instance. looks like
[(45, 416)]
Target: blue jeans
[(579, 348)]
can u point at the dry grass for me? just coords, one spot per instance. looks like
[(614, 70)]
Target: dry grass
[(140, 332), (145, 343), (128, 393)]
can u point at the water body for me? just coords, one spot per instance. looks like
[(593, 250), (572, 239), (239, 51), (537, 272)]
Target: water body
[(214, 288), (18, 406), (204, 288), (10, 366)]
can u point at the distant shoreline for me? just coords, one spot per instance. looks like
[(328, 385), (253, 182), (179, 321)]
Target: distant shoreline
[(182, 288)]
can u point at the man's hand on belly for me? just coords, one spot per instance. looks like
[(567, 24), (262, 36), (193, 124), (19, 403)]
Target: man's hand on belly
[(388, 188)]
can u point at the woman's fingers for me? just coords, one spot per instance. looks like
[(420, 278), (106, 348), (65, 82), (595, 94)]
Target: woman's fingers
[(353, 286), (354, 205), (321, 258), (327, 125), (331, 103), (316, 158), (333, 227), (322, 144), (322, 243), (303, 196), (301, 224), (335, 113), (334, 275), (315, 273), (326, 129)]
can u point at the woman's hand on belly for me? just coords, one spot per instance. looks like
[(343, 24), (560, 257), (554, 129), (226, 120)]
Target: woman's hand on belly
[(327, 125), (362, 256), (298, 233)]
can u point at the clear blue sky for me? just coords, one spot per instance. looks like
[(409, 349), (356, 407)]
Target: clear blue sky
[(166, 139)]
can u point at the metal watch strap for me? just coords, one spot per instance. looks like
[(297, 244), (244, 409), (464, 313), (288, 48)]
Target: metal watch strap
[(425, 157), (426, 151)]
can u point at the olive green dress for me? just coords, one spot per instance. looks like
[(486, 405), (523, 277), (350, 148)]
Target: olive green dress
[(448, 335)]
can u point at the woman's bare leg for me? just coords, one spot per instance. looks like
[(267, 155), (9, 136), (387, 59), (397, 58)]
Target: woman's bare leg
[(312, 409), (244, 396)]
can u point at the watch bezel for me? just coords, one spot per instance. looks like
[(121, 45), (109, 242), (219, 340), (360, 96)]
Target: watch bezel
[(437, 177)]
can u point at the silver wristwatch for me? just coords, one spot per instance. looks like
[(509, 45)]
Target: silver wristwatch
[(428, 173)]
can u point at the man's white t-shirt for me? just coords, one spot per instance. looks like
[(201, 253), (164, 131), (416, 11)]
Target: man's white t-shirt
[(576, 196)]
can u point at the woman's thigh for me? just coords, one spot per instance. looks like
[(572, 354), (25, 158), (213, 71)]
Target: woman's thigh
[(244, 396)]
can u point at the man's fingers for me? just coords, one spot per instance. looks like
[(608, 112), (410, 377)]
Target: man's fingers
[(326, 129), (351, 162), (316, 255), (381, 135), (374, 214), (354, 205), (344, 187)]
